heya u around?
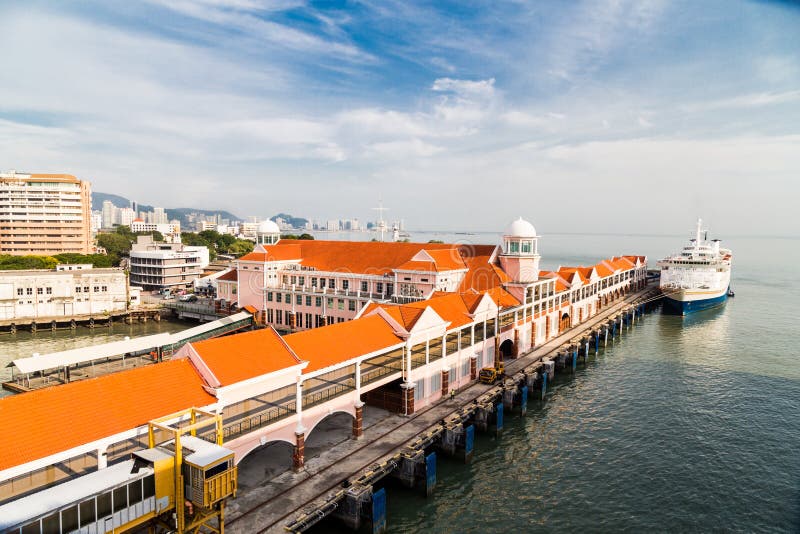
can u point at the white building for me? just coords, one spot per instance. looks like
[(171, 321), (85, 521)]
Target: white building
[(67, 291), (159, 216), (139, 225), (202, 226), (126, 216), (109, 214), (160, 265), (97, 221)]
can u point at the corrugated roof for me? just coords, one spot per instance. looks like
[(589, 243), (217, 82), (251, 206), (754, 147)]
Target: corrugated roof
[(47, 421)]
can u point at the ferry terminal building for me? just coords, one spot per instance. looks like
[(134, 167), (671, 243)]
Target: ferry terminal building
[(394, 325)]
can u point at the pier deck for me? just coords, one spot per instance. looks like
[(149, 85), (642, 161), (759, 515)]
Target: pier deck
[(269, 507)]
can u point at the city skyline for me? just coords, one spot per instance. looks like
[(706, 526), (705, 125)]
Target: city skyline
[(605, 117)]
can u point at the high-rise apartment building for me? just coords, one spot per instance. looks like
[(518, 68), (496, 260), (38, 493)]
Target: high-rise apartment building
[(44, 214)]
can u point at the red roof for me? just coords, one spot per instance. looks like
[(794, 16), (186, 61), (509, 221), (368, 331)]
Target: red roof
[(238, 357), (230, 276), (47, 421)]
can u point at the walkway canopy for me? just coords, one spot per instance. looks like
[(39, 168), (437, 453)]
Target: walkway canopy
[(132, 347), (135, 346)]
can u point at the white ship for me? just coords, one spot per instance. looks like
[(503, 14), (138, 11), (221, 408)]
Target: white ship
[(698, 277)]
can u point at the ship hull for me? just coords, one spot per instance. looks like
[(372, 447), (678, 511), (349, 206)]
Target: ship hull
[(688, 302)]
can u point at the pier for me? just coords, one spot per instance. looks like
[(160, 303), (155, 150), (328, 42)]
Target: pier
[(342, 485), (96, 320)]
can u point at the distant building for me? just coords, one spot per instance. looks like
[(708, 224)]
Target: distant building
[(248, 230), (159, 216), (165, 229), (109, 214), (202, 226), (126, 216), (332, 225), (64, 292), (44, 214), (161, 265), (97, 221)]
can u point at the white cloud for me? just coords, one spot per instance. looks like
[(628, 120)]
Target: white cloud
[(750, 100), (404, 149), (466, 88), (237, 15)]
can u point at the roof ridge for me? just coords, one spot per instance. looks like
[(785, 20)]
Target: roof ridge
[(286, 345)]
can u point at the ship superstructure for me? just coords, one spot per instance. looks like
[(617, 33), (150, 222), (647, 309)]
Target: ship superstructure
[(698, 277)]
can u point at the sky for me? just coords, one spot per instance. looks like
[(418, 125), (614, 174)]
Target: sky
[(620, 116)]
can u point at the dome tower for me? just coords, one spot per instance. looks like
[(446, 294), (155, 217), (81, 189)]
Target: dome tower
[(520, 255), (268, 233)]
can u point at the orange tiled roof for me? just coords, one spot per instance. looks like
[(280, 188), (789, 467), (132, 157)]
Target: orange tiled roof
[(449, 306), (280, 252), (405, 317), (503, 298), (623, 263), (568, 273), (336, 343), (481, 275), (47, 421), (604, 269), (361, 257), (238, 357)]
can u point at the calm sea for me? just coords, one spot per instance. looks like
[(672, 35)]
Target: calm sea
[(685, 424)]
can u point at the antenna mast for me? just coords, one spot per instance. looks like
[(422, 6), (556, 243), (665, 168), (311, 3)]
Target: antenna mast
[(381, 223)]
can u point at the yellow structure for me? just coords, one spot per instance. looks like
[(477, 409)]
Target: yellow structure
[(179, 484), (203, 473)]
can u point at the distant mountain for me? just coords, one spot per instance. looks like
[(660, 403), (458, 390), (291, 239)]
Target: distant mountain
[(172, 213), (294, 222)]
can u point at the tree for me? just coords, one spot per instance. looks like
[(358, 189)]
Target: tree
[(115, 243), (8, 262), (98, 260), (241, 247)]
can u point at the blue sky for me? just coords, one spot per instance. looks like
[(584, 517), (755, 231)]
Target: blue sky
[(603, 116)]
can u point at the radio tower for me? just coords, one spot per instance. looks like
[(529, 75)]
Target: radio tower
[(381, 223)]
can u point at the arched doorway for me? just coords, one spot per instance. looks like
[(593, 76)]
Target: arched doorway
[(564, 323), (264, 463), (330, 431), (507, 351)]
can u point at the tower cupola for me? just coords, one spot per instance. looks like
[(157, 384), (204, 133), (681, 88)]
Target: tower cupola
[(268, 233), (520, 256)]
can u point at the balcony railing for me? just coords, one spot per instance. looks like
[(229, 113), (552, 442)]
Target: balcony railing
[(320, 291)]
